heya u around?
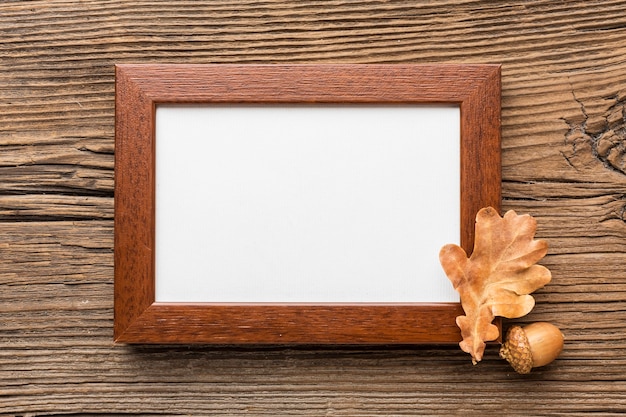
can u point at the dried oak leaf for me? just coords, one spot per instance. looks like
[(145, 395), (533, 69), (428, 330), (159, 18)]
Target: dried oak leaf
[(498, 277)]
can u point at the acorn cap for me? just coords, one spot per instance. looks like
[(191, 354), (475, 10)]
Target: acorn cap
[(516, 350)]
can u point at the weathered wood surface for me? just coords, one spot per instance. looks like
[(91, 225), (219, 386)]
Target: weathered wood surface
[(564, 92)]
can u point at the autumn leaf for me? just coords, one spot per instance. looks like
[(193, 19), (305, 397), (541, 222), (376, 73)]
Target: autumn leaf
[(498, 277)]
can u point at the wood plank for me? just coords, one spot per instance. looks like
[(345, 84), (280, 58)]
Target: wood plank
[(563, 135)]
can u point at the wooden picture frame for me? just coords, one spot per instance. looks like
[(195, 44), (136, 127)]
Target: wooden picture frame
[(140, 88)]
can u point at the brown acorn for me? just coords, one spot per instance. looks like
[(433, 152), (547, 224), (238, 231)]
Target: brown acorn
[(535, 345)]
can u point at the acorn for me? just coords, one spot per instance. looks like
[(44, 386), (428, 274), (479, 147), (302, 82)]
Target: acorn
[(535, 345)]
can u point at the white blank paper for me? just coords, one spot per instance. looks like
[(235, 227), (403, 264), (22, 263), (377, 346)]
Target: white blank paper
[(305, 203)]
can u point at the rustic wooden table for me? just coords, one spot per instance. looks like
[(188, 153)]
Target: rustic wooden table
[(563, 130)]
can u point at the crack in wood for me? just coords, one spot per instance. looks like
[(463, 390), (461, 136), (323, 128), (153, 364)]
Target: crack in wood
[(606, 138)]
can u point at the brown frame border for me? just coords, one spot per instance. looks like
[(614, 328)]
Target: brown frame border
[(139, 88)]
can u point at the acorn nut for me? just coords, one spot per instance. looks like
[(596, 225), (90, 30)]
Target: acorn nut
[(535, 345)]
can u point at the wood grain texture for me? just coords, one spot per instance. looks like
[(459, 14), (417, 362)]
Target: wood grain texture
[(563, 129)]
